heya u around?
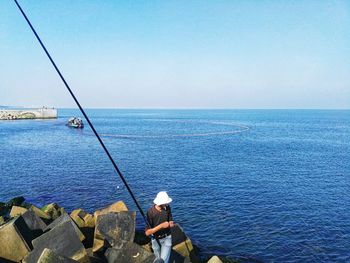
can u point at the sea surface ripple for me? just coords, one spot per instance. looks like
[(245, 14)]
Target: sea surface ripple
[(255, 185)]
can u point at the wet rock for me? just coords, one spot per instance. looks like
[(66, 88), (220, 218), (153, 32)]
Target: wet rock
[(48, 256), (34, 223), (15, 240), (3, 209), (53, 210), (17, 201), (63, 240), (65, 218), (214, 259), (129, 252), (113, 227), (17, 210), (115, 207), (26, 205)]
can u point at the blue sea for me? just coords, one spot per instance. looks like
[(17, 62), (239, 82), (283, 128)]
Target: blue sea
[(255, 185)]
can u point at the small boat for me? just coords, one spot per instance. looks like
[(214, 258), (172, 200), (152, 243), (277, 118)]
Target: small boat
[(75, 123)]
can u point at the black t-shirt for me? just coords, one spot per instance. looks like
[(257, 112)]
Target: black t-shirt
[(156, 217)]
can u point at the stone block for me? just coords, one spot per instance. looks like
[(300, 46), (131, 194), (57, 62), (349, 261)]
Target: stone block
[(48, 256), (17, 201), (63, 240), (115, 207), (17, 210), (34, 223), (83, 219), (65, 218), (113, 227), (182, 245), (15, 240), (2, 220), (53, 210), (214, 259), (3, 209), (89, 220), (77, 216), (79, 212), (184, 248), (141, 238), (177, 234), (86, 223), (6, 207), (26, 205), (94, 257), (148, 247), (40, 213), (88, 233), (129, 252), (78, 221)]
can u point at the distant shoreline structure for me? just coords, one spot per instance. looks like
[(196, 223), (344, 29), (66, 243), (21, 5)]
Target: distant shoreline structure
[(24, 113)]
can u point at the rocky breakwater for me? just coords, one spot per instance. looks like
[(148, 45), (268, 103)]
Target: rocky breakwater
[(30, 234), (20, 114)]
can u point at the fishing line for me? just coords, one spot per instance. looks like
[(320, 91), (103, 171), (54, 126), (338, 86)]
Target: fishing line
[(86, 117)]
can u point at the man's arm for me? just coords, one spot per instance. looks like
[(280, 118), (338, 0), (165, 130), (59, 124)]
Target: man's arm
[(151, 231)]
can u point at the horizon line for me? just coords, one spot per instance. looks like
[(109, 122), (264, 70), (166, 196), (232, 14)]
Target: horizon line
[(170, 108)]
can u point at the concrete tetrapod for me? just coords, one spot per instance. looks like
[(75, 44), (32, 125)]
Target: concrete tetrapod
[(63, 240), (214, 259), (48, 256), (129, 252), (53, 210), (115, 207), (65, 218), (34, 223), (112, 228), (17, 210), (15, 236), (182, 245), (86, 224)]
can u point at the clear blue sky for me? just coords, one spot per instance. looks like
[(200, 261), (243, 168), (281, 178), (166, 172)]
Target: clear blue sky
[(178, 54)]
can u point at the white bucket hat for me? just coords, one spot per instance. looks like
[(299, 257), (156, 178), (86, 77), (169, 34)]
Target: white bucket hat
[(162, 198)]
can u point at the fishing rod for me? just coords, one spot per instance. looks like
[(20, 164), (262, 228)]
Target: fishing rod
[(86, 117)]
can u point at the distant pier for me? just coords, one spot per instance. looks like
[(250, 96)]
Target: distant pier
[(20, 114)]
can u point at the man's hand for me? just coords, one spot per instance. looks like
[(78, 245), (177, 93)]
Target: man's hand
[(171, 223)]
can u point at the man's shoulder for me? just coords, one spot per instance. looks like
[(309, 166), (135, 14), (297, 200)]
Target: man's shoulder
[(151, 211)]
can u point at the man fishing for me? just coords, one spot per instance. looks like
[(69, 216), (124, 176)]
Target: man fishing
[(161, 220)]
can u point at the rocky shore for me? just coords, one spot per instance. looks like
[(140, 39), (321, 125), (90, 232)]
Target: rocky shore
[(50, 234)]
